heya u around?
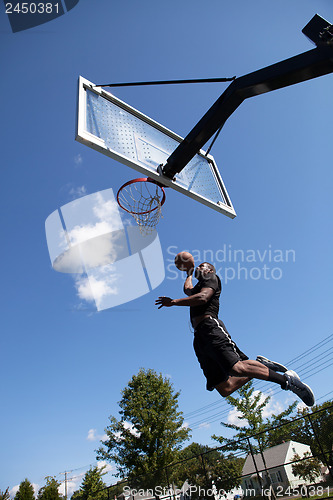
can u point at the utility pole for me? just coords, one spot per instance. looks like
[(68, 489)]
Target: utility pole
[(65, 473)]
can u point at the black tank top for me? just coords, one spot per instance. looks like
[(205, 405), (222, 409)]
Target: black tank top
[(212, 306)]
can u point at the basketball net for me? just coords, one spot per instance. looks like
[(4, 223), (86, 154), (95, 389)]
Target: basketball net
[(143, 199)]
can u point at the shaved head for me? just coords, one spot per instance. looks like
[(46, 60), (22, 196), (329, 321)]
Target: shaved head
[(210, 266)]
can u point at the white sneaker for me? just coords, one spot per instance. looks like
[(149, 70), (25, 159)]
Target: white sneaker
[(301, 390)]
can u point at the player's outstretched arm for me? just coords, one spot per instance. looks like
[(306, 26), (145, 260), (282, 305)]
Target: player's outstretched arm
[(195, 300)]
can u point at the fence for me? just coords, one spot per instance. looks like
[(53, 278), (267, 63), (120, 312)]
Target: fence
[(214, 472)]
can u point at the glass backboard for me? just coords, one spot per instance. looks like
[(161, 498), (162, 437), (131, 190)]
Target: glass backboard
[(112, 127)]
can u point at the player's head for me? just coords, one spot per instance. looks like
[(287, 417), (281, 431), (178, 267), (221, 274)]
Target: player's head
[(203, 269)]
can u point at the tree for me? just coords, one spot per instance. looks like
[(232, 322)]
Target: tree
[(193, 464), (204, 467), (149, 433), (227, 472), (308, 469), (93, 486), (50, 490), (318, 428), (313, 427), (4, 495), (115, 489), (25, 491), (250, 405)]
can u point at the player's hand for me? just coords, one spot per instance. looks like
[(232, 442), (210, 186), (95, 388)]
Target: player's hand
[(189, 272), (163, 302)]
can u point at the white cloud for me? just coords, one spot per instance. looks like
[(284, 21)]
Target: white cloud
[(80, 234), (204, 425), (87, 250), (94, 234), (96, 250), (78, 192), (273, 407), (301, 406), (131, 428), (73, 484), (95, 290), (106, 210), (78, 159), (107, 467), (93, 436), (14, 490), (234, 418)]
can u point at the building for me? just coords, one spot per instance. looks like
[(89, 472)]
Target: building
[(274, 469)]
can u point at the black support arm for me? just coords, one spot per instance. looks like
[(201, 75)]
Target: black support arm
[(305, 66)]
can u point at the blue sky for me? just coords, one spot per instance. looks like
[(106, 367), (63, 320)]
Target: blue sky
[(63, 364)]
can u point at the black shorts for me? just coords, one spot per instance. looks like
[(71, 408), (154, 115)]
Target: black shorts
[(215, 350)]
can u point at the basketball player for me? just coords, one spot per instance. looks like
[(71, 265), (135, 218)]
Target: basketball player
[(225, 367)]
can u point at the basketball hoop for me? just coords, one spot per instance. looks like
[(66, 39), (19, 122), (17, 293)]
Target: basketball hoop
[(143, 199)]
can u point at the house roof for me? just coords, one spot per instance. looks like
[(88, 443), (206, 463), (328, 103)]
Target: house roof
[(274, 457)]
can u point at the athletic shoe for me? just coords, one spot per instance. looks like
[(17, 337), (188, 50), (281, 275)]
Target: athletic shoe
[(301, 390), (276, 367)]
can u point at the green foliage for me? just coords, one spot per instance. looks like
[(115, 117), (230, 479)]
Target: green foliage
[(308, 469), (250, 407), (194, 460), (322, 425), (149, 433), (227, 472), (304, 430), (4, 495), (250, 404), (50, 490), (277, 432), (25, 491), (282, 427), (202, 466), (93, 486), (116, 489)]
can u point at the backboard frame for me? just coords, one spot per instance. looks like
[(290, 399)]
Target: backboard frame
[(95, 142)]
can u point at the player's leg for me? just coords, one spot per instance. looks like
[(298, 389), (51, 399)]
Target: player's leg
[(217, 353), (227, 368), (263, 369), (231, 385), (247, 369), (214, 369), (255, 369), (250, 368)]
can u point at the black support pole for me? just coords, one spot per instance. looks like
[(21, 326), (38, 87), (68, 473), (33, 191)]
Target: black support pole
[(320, 446), (205, 471), (255, 465), (305, 66)]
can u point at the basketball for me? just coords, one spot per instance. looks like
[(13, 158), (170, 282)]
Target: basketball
[(184, 261)]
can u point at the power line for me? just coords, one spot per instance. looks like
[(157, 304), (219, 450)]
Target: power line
[(317, 366), (223, 407), (214, 418), (311, 350)]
